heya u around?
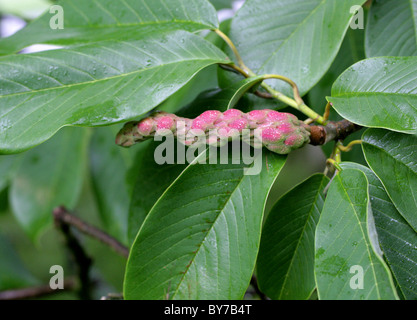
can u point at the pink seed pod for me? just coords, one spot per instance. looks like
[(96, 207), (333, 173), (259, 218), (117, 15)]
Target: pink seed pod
[(210, 116), (128, 135), (206, 119), (146, 126), (286, 128), (257, 116), (277, 131), (199, 124), (239, 124), (220, 124), (291, 140), (165, 123), (294, 140), (232, 114), (228, 133), (270, 134), (276, 116)]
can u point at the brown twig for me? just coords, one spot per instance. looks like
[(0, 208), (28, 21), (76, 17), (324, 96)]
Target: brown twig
[(35, 292), (337, 131), (63, 216), (82, 260)]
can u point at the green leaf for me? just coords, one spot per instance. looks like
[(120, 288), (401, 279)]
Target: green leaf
[(204, 80), (351, 51), (296, 39), (392, 156), (8, 167), (285, 266), (94, 85), (201, 238), (151, 180), (347, 250), (50, 175), (379, 92), (392, 28), (397, 239), (13, 273), (92, 21), (109, 166)]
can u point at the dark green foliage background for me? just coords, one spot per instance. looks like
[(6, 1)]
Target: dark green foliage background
[(202, 231)]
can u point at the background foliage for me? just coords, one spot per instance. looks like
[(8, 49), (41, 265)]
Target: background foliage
[(204, 231)]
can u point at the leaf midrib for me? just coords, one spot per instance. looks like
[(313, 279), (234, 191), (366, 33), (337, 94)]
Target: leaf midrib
[(362, 231), (221, 212), (319, 190)]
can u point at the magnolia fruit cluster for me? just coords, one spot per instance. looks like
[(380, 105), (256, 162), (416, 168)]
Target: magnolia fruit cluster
[(277, 131)]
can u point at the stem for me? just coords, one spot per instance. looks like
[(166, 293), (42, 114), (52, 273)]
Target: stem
[(233, 47), (349, 146), (83, 261), (335, 164), (35, 292), (338, 153), (280, 96), (297, 96), (339, 130), (327, 111), (234, 68), (298, 103), (62, 216)]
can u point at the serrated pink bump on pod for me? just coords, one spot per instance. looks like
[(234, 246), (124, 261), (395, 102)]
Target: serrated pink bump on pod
[(165, 122), (232, 114), (286, 128), (199, 124), (271, 134), (146, 126), (210, 116), (277, 116), (239, 124), (227, 132), (292, 140), (257, 115)]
